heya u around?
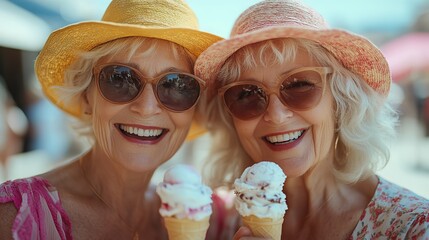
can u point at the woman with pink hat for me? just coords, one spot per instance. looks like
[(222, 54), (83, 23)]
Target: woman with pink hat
[(128, 79), (288, 89)]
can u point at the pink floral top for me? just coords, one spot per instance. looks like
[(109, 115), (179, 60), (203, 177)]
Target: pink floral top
[(394, 213)]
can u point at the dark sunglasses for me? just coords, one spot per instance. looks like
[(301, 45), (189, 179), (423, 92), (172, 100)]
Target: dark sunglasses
[(121, 84), (301, 89)]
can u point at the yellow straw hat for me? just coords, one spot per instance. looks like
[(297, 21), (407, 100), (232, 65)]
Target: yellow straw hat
[(171, 20), (291, 19)]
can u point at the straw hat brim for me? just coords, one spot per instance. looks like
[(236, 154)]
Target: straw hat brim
[(356, 53), (63, 46)]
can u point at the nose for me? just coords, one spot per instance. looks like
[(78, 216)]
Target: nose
[(276, 111), (146, 103)]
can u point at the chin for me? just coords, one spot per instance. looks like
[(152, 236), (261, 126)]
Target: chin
[(141, 165), (294, 167)]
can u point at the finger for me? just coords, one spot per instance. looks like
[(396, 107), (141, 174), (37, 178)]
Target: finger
[(242, 232)]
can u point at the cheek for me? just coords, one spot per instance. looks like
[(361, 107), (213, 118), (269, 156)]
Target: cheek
[(183, 120), (324, 136), (324, 129), (102, 128), (182, 123), (102, 113), (245, 131)]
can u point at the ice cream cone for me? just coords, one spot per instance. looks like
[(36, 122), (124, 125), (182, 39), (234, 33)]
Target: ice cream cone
[(264, 227), (186, 229)]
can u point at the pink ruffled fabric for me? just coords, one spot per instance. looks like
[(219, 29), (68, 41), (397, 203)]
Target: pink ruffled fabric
[(40, 214)]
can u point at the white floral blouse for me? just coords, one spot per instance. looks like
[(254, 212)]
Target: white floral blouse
[(394, 213)]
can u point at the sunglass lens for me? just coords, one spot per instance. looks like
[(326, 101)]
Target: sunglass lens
[(178, 92), (119, 83), (245, 101), (302, 90)]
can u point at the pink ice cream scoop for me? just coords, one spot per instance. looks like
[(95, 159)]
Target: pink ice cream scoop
[(183, 195)]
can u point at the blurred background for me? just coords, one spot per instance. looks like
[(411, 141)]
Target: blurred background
[(35, 136)]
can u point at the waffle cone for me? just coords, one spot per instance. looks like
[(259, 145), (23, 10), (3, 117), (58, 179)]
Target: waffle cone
[(185, 229), (264, 227)]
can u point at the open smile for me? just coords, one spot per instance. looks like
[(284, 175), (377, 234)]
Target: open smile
[(141, 134), (284, 138), (284, 141)]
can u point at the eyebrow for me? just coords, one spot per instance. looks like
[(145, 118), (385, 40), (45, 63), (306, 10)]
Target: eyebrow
[(171, 69), (289, 71)]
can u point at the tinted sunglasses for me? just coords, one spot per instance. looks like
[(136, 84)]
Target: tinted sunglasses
[(120, 84), (300, 89)]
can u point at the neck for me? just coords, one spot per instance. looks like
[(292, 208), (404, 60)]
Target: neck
[(117, 187), (317, 196), (311, 190), (307, 194)]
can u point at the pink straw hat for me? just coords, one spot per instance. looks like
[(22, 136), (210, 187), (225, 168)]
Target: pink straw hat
[(290, 19)]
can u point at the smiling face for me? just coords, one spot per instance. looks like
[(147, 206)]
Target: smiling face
[(296, 140), (141, 134)]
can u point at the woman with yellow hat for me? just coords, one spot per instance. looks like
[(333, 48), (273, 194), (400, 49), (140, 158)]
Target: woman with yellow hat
[(288, 89), (129, 79)]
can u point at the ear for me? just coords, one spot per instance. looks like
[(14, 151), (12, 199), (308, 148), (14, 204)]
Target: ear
[(86, 102)]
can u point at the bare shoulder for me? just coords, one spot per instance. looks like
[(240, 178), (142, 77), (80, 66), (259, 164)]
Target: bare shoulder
[(8, 214), (68, 182), (65, 178)]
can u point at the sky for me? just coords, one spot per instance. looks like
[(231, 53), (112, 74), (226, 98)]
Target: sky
[(358, 16), (215, 16), (361, 16)]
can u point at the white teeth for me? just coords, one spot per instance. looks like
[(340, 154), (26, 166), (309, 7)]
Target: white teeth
[(285, 137), (140, 131)]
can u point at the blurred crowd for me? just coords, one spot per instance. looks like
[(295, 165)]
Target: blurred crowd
[(13, 127)]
